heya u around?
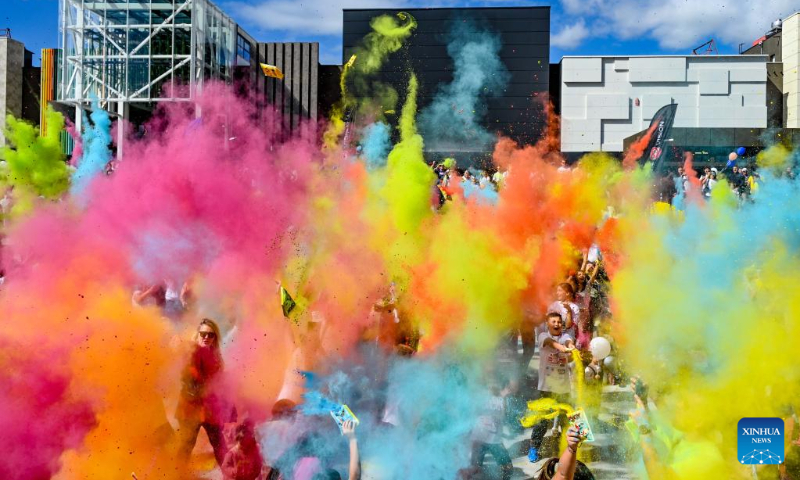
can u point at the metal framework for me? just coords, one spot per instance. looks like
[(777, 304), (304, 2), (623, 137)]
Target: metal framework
[(142, 50)]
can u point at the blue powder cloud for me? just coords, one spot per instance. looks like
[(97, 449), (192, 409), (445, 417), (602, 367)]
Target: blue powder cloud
[(452, 122)]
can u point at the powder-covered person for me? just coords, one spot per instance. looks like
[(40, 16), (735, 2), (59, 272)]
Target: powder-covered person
[(202, 403), (555, 347)]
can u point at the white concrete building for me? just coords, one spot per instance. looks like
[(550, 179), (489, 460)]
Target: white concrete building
[(790, 51), (606, 99)]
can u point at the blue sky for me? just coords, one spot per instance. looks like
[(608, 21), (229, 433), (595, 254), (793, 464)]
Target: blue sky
[(579, 27)]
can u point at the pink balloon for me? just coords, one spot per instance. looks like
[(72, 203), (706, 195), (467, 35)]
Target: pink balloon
[(733, 156)]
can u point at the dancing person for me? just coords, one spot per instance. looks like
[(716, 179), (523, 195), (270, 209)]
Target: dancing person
[(555, 348), (567, 467), (201, 404)]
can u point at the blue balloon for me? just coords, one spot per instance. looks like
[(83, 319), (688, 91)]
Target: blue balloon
[(740, 151), (730, 163)]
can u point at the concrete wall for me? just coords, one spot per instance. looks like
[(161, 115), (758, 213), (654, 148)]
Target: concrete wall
[(791, 70), (599, 95), (297, 94), (12, 61)]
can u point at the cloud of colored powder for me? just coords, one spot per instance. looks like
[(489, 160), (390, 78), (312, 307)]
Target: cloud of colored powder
[(34, 165), (452, 122), (96, 139), (705, 317), (376, 144), (701, 303)]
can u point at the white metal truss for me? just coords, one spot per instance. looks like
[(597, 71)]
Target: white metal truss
[(109, 52)]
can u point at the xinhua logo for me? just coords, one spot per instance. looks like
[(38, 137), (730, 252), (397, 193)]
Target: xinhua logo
[(760, 441)]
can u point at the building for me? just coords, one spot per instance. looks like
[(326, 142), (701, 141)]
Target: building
[(296, 96), (790, 57), (712, 142), (129, 55), (782, 45), (607, 99), (524, 33), (19, 83)]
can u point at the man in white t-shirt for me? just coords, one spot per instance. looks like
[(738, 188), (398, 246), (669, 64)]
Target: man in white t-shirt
[(555, 349)]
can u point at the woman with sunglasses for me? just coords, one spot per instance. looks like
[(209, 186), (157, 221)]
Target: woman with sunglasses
[(201, 404)]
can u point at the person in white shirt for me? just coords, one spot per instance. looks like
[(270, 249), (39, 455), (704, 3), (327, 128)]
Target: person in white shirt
[(555, 349)]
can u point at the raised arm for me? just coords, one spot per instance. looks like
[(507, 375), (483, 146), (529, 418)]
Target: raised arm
[(349, 431), (141, 296), (568, 462), (569, 321), (549, 342)]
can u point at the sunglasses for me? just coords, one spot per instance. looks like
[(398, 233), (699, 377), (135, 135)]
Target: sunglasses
[(207, 334)]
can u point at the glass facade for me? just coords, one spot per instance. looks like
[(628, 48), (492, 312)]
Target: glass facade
[(144, 50)]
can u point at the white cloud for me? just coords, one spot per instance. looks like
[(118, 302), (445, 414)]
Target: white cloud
[(677, 25), (571, 36), (306, 17), (683, 24), (582, 6)]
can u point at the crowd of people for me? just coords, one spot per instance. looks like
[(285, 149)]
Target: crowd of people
[(743, 181), (275, 450), (471, 182)]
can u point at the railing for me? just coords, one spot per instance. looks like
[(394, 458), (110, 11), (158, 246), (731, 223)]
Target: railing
[(5, 32)]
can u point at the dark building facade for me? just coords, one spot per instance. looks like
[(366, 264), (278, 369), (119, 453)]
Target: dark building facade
[(524, 34), (296, 95)]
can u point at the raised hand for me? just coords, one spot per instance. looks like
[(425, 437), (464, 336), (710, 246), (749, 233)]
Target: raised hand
[(349, 429)]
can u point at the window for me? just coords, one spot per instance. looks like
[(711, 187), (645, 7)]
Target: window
[(243, 49)]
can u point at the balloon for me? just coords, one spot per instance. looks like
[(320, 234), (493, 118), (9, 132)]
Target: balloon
[(733, 156), (600, 348), (608, 362), (740, 151)]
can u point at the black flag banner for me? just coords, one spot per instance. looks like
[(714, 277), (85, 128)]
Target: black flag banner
[(661, 126)]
